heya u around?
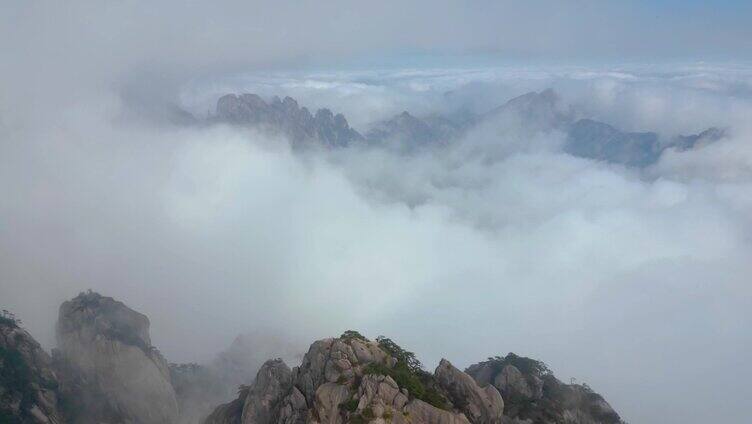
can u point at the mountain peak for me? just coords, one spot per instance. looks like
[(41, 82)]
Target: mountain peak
[(286, 117)]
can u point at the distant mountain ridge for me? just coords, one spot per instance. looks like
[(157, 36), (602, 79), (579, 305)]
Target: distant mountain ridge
[(585, 138), (287, 117)]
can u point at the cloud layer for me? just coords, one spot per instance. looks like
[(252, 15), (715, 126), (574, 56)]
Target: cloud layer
[(633, 281)]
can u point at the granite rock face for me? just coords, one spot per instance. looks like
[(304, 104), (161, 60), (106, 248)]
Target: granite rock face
[(287, 118), (28, 382), (110, 370), (481, 405), (348, 380), (533, 395), (201, 387)]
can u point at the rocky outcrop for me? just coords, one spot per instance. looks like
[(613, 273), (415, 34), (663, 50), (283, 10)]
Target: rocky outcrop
[(201, 387), (272, 383), (533, 395), (354, 380), (480, 405), (111, 372), (28, 383), (511, 381), (287, 118), (260, 402)]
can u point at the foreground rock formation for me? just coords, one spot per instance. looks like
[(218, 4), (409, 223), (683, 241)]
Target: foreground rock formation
[(28, 383), (353, 379), (534, 395), (107, 371), (112, 373)]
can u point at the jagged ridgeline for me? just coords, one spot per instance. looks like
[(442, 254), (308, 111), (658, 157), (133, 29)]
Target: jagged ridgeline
[(106, 370), (537, 111)]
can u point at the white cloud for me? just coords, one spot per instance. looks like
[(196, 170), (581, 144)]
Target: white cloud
[(632, 281)]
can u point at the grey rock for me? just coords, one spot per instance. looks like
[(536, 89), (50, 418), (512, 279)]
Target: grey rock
[(272, 383), (418, 411), (380, 390), (480, 405), (382, 397), (336, 383), (228, 413), (28, 382), (106, 352), (335, 361), (260, 402), (533, 395), (327, 400), (294, 409), (510, 380)]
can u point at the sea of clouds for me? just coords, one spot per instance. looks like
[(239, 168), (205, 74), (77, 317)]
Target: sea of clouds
[(634, 281)]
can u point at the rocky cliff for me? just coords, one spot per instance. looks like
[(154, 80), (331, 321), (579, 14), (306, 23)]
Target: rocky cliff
[(534, 396), (111, 372), (28, 383)]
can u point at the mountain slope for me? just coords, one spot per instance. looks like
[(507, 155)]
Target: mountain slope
[(28, 383)]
